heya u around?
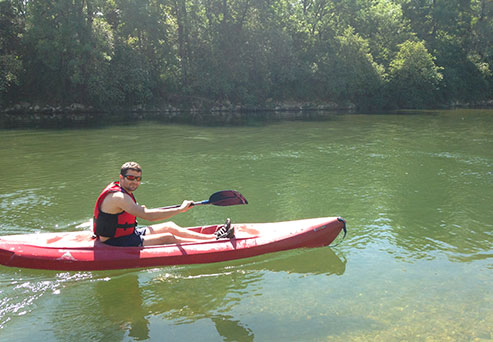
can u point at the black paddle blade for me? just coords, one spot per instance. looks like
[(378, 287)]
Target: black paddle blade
[(227, 197)]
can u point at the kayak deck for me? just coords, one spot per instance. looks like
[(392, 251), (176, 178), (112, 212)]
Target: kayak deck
[(79, 251)]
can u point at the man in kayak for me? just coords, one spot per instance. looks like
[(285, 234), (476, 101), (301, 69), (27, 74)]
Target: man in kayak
[(116, 212)]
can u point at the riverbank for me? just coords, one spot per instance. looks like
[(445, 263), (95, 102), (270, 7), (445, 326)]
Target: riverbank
[(26, 115)]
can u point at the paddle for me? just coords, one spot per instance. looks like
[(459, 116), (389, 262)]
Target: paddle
[(222, 198)]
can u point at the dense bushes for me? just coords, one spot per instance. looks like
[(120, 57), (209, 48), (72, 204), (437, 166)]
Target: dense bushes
[(124, 53), (413, 76)]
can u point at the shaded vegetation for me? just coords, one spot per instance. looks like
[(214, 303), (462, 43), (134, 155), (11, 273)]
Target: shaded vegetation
[(374, 54)]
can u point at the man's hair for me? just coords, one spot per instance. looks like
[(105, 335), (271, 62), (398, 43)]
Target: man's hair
[(130, 166)]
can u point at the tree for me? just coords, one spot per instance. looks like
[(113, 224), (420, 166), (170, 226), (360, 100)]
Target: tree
[(383, 24), (123, 53), (59, 51), (464, 75), (11, 27), (414, 76), (351, 73)]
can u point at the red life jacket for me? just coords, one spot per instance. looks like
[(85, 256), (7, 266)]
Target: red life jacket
[(113, 225)]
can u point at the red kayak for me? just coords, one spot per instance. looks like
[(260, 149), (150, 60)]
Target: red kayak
[(78, 251)]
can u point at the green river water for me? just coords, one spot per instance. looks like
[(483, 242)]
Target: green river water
[(417, 265)]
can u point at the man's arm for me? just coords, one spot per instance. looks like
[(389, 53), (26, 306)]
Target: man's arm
[(125, 203)]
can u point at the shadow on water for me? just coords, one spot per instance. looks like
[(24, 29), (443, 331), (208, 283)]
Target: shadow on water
[(136, 305), (305, 261), (96, 120)]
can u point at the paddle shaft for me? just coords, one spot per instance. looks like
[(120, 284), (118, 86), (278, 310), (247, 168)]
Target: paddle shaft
[(194, 204), (221, 198)]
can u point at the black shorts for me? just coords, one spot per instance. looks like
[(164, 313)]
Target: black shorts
[(136, 239)]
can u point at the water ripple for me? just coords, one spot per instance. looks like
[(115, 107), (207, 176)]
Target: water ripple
[(19, 295)]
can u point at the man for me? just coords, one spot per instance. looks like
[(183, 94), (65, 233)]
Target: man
[(116, 211)]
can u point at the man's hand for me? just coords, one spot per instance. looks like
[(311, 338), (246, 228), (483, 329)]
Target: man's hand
[(186, 205)]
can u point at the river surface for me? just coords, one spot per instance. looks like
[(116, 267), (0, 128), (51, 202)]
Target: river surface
[(416, 190)]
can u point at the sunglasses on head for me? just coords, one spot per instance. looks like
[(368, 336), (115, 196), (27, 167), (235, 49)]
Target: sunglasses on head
[(132, 178)]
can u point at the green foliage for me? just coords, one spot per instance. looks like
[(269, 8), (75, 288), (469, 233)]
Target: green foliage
[(123, 82), (60, 51), (126, 53), (10, 31), (9, 68), (414, 76), (459, 33), (383, 24), (350, 73), (464, 76)]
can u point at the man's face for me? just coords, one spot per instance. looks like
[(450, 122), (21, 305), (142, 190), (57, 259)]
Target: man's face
[(131, 180)]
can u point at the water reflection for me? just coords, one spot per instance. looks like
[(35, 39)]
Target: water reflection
[(137, 304), (305, 261), (121, 302)]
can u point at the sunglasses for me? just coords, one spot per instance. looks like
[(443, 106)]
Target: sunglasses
[(132, 178)]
